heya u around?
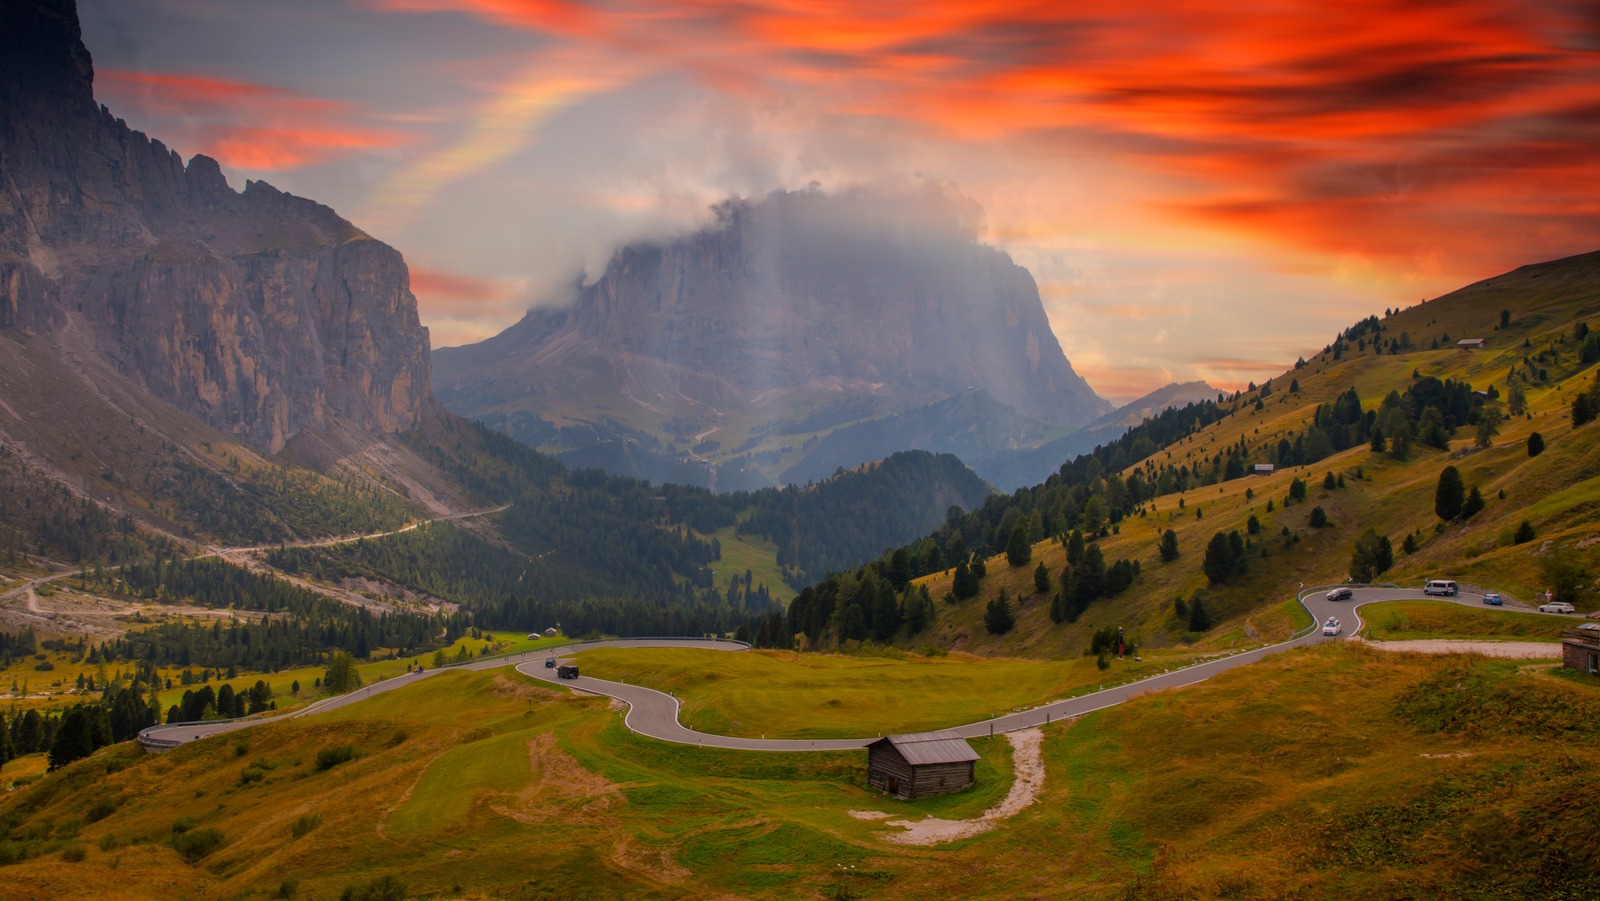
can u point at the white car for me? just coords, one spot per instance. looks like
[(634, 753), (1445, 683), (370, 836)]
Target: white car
[(1331, 627), (1556, 607)]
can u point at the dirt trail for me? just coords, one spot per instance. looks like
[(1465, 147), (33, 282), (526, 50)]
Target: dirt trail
[(1028, 761), (1520, 650)]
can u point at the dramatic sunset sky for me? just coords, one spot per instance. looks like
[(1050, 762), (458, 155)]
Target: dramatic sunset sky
[(1201, 189)]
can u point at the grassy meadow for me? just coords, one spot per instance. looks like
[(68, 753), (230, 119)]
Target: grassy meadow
[(782, 694), (1335, 772), (1406, 620)]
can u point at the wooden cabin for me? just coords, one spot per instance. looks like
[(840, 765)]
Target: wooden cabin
[(920, 764)]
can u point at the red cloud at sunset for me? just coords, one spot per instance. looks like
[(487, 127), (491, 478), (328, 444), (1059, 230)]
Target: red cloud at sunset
[(1383, 128), (243, 125)]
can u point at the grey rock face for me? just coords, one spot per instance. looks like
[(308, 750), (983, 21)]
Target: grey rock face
[(258, 312), (800, 300)]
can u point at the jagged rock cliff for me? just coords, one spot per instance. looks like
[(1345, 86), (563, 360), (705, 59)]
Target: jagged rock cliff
[(795, 313), (258, 312)]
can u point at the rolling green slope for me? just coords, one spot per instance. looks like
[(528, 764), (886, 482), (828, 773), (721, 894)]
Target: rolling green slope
[(1430, 777), (1412, 352)]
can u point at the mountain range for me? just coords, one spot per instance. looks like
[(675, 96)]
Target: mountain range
[(799, 333)]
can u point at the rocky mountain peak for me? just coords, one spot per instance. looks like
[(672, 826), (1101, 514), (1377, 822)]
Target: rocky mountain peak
[(260, 313), (799, 307)]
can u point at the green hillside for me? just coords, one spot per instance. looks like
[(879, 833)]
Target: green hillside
[(1187, 473), (483, 785)]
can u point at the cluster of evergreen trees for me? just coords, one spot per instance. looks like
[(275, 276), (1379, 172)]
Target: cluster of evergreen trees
[(223, 703), (1086, 578), (122, 711), (861, 605), (305, 627)]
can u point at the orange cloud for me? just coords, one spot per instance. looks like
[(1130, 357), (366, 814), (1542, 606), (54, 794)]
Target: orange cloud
[(244, 125), (438, 283), (1384, 128)]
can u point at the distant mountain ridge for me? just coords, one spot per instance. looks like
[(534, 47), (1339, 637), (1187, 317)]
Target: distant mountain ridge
[(802, 307), (1012, 469)]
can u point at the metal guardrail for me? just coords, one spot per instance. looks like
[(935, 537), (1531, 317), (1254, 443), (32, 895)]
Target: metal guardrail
[(1318, 589)]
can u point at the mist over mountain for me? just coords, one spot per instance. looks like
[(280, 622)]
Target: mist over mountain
[(746, 344), (260, 313)]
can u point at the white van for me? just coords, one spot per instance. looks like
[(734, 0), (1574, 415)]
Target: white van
[(1442, 587)]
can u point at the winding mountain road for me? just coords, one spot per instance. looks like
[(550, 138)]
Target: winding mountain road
[(655, 714)]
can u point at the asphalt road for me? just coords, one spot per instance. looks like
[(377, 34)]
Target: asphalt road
[(655, 714)]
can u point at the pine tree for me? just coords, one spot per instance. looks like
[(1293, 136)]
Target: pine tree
[(1449, 495), (1219, 559), (1018, 550), (1089, 578), (1373, 555), (1253, 525), (1041, 578), (1319, 518), (341, 676), (1169, 546), (1074, 547), (1473, 504), (1524, 534), (997, 617), (1535, 444), (1379, 445), (1199, 619)]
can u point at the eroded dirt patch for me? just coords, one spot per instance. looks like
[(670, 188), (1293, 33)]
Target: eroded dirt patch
[(560, 789)]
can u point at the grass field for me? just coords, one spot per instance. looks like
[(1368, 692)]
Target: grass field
[(1440, 778), (1406, 620), (752, 554), (788, 695)]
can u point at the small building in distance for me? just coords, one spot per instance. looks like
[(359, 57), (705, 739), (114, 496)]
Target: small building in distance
[(920, 764), (1265, 469), (1471, 343), (1580, 648)]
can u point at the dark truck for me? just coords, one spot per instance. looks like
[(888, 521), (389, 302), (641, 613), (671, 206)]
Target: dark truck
[(566, 671)]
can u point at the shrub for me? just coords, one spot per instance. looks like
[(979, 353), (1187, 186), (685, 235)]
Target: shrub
[(1524, 533), (182, 824), (304, 824), (250, 774), (1319, 518), (384, 888), (197, 843), (74, 853), (100, 809), (1535, 444), (328, 758)]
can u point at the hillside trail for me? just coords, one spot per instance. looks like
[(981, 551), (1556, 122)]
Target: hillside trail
[(1027, 762)]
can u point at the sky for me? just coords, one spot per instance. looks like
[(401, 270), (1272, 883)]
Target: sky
[(1201, 190)]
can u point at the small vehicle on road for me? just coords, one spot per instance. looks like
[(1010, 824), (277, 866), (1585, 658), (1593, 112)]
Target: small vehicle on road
[(550, 663), (566, 671), (1557, 607), (1331, 627), (1343, 593), (1494, 599), (1441, 587)]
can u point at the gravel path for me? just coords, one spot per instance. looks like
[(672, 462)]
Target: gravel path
[(1520, 650), (1028, 762)]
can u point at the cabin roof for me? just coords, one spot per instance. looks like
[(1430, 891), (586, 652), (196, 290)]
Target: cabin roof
[(919, 748)]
